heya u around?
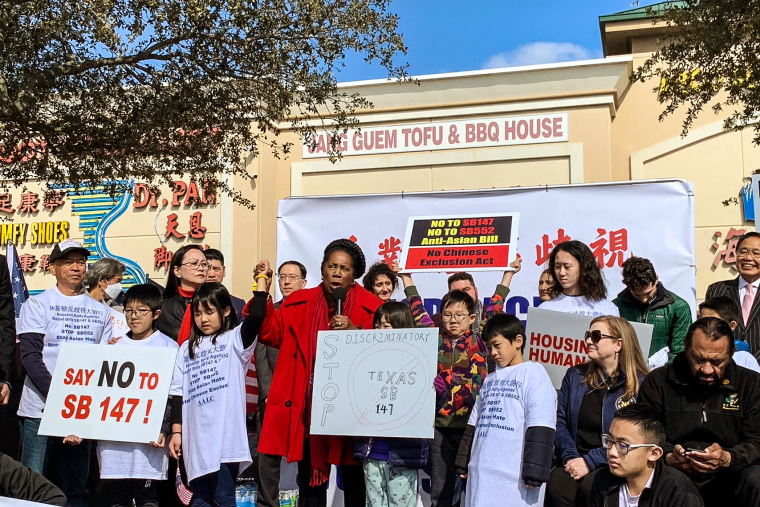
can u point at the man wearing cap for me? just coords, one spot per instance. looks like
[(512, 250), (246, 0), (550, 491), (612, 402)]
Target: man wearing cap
[(59, 315)]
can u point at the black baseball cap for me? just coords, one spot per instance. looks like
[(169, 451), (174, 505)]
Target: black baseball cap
[(67, 246)]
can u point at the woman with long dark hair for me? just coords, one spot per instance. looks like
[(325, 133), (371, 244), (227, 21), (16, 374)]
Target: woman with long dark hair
[(293, 328), (187, 272), (578, 282)]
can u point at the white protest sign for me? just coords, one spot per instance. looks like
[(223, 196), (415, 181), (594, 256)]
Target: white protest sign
[(108, 393), (556, 340), (376, 382)]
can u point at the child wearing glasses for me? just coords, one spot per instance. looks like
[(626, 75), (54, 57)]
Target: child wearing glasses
[(133, 469), (637, 476), (461, 371), (586, 403), (511, 426)]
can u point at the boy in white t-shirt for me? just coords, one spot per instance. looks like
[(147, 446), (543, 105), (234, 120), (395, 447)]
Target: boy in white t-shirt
[(132, 469), (512, 424)]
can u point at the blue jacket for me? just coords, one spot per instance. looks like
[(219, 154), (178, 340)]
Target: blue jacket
[(569, 401), (404, 452)]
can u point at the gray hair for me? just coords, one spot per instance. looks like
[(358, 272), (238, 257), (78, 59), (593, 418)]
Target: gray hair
[(105, 268)]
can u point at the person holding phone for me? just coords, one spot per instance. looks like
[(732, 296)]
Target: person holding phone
[(710, 408)]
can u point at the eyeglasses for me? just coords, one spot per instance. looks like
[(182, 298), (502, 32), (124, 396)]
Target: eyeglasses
[(136, 313), (454, 316), (746, 252), (292, 278), (597, 335), (622, 447), (196, 265)]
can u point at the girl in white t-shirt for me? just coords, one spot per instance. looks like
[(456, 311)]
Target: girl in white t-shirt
[(578, 282), (511, 428), (209, 428)]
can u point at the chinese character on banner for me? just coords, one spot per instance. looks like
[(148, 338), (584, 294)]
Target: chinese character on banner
[(171, 227), (53, 200), (29, 201), (728, 254), (389, 250), (197, 231), (544, 250), (162, 257), (610, 252), (5, 203), (27, 262), (45, 262)]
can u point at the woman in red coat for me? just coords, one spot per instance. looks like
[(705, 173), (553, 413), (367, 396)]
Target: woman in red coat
[(293, 329)]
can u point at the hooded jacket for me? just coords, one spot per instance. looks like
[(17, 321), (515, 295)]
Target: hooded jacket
[(669, 314)]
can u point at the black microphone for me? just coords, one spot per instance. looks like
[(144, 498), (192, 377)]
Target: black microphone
[(339, 295)]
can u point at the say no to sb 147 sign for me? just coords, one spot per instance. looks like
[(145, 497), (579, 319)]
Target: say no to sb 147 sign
[(103, 392)]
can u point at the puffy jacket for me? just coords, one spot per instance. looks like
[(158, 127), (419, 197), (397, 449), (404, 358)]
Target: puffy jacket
[(569, 400), (404, 452), (669, 314), (697, 416), (670, 488)]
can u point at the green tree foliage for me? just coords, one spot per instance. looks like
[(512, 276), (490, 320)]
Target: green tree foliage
[(98, 90), (711, 59)]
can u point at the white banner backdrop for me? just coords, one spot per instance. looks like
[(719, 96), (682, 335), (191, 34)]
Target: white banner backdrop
[(652, 219)]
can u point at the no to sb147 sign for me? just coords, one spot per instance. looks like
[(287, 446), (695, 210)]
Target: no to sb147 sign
[(486, 242), (108, 393)]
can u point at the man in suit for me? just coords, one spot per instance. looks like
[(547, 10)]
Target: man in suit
[(291, 277), (743, 290)]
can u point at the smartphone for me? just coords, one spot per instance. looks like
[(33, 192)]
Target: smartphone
[(692, 449)]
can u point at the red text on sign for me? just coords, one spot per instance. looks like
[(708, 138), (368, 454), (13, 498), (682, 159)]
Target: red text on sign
[(77, 377), (78, 410)]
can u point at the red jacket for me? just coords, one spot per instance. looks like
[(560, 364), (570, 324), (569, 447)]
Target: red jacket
[(286, 414)]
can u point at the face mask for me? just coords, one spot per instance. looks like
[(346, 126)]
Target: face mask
[(113, 291)]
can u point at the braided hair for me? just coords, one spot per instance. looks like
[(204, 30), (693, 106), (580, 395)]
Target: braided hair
[(350, 248)]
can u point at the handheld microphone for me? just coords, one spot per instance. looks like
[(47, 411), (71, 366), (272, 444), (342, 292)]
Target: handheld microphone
[(339, 296)]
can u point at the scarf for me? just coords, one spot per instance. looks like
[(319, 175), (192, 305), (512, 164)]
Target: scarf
[(187, 320), (320, 444)]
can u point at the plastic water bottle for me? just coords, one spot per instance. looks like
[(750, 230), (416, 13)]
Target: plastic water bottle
[(239, 495)]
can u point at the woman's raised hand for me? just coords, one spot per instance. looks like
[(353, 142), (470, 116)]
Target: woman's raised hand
[(263, 270)]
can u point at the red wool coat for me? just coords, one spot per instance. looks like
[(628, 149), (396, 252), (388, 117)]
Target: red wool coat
[(287, 413)]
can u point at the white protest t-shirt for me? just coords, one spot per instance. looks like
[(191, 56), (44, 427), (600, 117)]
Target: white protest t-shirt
[(511, 400), (581, 305), (119, 325), (124, 460), (62, 319), (213, 410)]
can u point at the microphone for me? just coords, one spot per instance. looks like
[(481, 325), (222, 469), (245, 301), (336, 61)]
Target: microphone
[(339, 296)]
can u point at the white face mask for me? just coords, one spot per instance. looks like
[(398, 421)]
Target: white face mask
[(113, 290)]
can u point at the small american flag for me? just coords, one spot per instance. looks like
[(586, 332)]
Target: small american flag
[(183, 492), (251, 389), (18, 284)]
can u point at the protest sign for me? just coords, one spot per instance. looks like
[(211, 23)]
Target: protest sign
[(484, 242), (556, 340), (376, 382), (108, 393)]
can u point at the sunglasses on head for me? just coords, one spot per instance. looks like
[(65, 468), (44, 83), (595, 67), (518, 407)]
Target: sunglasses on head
[(597, 335)]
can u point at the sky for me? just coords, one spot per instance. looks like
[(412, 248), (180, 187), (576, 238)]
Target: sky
[(463, 35)]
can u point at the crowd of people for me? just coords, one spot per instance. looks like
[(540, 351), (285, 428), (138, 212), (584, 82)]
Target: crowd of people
[(675, 425)]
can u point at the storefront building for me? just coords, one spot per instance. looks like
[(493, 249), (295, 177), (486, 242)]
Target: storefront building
[(566, 123)]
